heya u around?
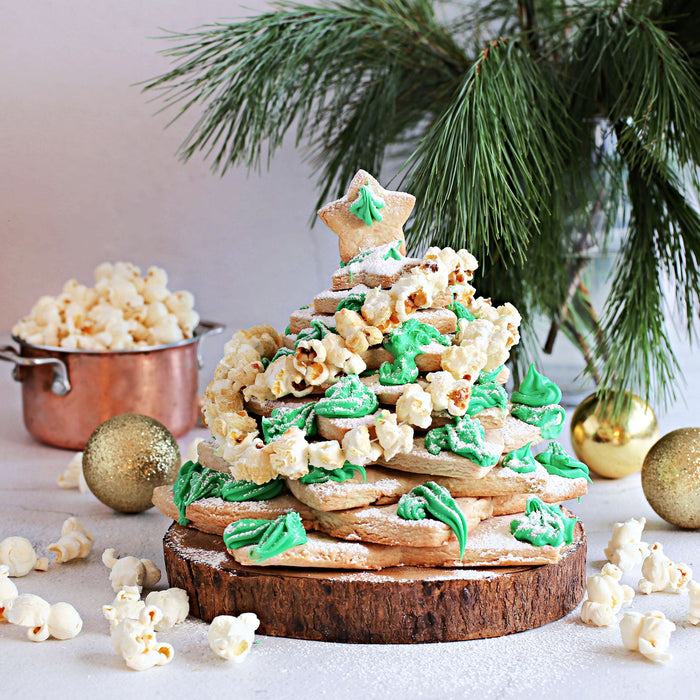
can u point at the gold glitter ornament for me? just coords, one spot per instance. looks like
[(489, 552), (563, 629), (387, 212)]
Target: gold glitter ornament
[(671, 477), (126, 457), (613, 449)]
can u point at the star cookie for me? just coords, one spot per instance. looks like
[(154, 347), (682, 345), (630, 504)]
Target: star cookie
[(367, 216)]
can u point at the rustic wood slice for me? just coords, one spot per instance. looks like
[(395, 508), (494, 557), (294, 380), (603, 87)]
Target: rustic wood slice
[(400, 605)]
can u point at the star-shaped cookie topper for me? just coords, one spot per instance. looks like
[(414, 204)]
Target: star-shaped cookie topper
[(367, 216)]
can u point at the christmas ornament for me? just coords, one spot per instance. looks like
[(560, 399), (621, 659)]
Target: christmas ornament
[(613, 448), (126, 457), (671, 477)]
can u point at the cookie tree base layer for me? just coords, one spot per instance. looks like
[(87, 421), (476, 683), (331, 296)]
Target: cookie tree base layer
[(398, 605)]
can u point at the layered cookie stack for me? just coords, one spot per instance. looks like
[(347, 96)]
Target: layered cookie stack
[(376, 430)]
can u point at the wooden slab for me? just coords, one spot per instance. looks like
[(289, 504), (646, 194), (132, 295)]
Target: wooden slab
[(400, 605)]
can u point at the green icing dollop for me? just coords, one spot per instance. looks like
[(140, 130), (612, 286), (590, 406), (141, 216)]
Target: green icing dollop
[(282, 352), (464, 436), (520, 460), (393, 252), (348, 398), (316, 331), (237, 491), (271, 537), (536, 390), (549, 419), (543, 524), (281, 419), (461, 311), (487, 395), (431, 498), (404, 343), (318, 475), (195, 482), (367, 205), (556, 460), (488, 377), (352, 301)]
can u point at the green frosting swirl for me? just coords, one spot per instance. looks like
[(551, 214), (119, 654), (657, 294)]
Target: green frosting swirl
[(487, 395), (404, 343), (549, 419), (465, 437), (393, 252), (349, 398), (281, 419), (352, 301), (520, 460), (316, 331), (367, 205), (488, 377), (271, 537), (195, 482), (536, 390), (556, 460), (281, 353), (461, 311), (318, 475), (543, 524), (237, 491), (438, 502)]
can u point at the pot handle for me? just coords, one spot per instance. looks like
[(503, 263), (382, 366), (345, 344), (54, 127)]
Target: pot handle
[(203, 330), (60, 384)]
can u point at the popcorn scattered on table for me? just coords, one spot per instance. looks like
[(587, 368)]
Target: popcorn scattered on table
[(18, 554), (648, 633), (73, 477), (661, 574), (135, 640), (606, 596), (130, 571), (42, 564), (127, 604), (625, 548), (231, 638), (122, 311), (75, 542), (174, 603), (693, 603), (8, 592), (60, 621)]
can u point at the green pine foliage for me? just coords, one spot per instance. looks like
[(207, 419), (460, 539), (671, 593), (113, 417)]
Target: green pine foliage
[(528, 129)]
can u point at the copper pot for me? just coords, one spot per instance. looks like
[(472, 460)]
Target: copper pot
[(66, 394)]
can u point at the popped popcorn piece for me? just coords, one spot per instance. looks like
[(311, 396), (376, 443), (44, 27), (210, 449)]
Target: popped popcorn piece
[(127, 604), (326, 454), (393, 438), (72, 477), (693, 603), (605, 597), (31, 611), (18, 554), (122, 311), (648, 633), (130, 571), (659, 573), (42, 564), (467, 360), (378, 310), (447, 393), (174, 603), (356, 332), (63, 621), (625, 548), (309, 359), (75, 542), (136, 642), (359, 448), (8, 592), (232, 638), (289, 453), (415, 406)]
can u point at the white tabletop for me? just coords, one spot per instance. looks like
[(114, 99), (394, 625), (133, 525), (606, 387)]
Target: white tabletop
[(564, 658)]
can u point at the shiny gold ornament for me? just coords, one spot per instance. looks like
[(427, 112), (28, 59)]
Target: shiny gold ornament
[(671, 477), (613, 448), (126, 457)]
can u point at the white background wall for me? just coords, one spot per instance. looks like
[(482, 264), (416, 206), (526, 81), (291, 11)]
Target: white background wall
[(88, 172)]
